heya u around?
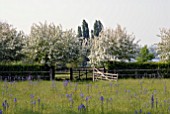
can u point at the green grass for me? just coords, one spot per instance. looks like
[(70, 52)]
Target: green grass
[(122, 97)]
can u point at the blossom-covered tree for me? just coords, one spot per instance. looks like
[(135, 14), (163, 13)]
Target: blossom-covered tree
[(164, 45), (11, 43), (112, 44), (49, 44)]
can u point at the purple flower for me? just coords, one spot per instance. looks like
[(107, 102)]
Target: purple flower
[(140, 111), (5, 105), (87, 98), (15, 100), (128, 91), (0, 111), (34, 102), (39, 100), (152, 101), (68, 95), (71, 99), (31, 96), (82, 95), (65, 83), (81, 107), (102, 98)]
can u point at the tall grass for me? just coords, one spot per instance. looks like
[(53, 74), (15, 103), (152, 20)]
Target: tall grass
[(102, 97)]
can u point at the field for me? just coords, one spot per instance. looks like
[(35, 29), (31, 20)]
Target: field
[(127, 96)]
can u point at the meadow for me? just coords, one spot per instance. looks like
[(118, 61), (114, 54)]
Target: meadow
[(127, 96)]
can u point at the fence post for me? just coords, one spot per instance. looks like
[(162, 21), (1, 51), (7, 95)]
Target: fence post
[(93, 74), (79, 74), (71, 73), (52, 73), (136, 73), (86, 74)]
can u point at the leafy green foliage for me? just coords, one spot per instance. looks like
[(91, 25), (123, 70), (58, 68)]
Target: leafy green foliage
[(145, 55), (11, 43)]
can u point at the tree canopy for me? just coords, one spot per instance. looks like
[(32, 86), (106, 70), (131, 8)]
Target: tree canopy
[(113, 44), (49, 44), (79, 34), (164, 45), (11, 43), (85, 29), (144, 55), (98, 26)]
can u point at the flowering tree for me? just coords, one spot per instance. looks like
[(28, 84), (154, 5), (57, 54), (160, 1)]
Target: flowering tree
[(49, 44), (164, 46), (113, 45), (11, 43)]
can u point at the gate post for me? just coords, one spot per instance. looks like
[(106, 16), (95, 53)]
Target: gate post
[(71, 74), (52, 73), (93, 74)]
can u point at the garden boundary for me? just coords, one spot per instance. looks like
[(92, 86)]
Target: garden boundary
[(142, 73)]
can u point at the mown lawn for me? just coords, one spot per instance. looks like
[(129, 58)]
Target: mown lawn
[(127, 96)]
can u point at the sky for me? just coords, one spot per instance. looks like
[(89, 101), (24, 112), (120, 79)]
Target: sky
[(143, 18)]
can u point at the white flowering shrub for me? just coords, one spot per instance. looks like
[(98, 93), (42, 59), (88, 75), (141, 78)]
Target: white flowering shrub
[(49, 44), (113, 44), (11, 43), (164, 45)]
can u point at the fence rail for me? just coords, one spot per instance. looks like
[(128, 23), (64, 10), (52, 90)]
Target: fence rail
[(24, 75)]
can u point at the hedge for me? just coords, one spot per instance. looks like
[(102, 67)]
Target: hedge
[(148, 69), (21, 69), (135, 65)]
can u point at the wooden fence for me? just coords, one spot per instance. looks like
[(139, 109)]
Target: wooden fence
[(87, 73), (84, 73), (24, 75)]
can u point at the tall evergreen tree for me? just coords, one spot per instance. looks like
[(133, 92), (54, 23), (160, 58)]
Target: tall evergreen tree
[(79, 32), (85, 29), (92, 34), (97, 27)]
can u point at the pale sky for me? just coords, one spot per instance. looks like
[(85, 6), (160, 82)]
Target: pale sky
[(143, 18)]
